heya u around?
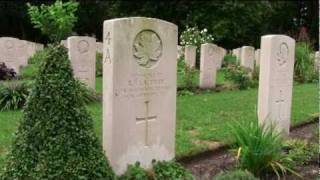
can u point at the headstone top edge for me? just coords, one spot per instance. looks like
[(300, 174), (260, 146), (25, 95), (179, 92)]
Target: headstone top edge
[(140, 19)]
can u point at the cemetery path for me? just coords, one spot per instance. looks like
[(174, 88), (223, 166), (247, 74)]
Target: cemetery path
[(206, 165)]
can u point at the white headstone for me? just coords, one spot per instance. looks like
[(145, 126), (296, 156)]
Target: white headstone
[(82, 54), (13, 52), (275, 81), (238, 55), (139, 94), (257, 57), (64, 43), (208, 68), (190, 55), (99, 47), (221, 52), (247, 57)]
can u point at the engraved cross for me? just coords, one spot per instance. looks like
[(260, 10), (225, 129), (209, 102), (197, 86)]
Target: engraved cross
[(280, 101), (146, 119)]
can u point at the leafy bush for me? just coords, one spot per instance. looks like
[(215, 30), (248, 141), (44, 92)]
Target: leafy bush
[(300, 152), (30, 71), (240, 76), (56, 139), (259, 149), (235, 175), (304, 70), (56, 20), (6, 73), (134, 172), (170, 170), (186, 75), (229, 59), (13, 95), (87, 95), (99, 64)]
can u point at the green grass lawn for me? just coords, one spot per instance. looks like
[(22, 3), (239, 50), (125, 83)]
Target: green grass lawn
[(200, 118)]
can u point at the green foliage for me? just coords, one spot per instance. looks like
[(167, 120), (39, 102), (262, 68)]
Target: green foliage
[(235, 175), (55, 139), (134, 172), (13, 95), (229, 59), (87, 94), (300, 152), (99, 64), (259, 149), (186, 75), (304, 70), (170, 170), (56, 20), (240, 76), (30, 71)]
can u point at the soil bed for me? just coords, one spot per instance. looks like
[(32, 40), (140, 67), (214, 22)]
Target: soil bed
[(206, 165)]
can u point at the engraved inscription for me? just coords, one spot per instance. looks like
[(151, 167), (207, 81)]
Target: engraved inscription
[(147, 48), (282, 55), (83, 46), (146, 119), (107, 39), (210, 51)]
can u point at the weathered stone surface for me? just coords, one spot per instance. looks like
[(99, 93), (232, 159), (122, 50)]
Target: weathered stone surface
[(208, 68), (139, 93), (275, 81), (190, 55), (82, 54), (247, 57), (257, 57), (14, 52)]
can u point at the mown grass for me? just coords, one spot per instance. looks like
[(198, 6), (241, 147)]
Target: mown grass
[(201, 118)]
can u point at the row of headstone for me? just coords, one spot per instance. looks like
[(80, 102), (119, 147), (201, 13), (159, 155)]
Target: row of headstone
[(144, 77), (15, 52), (190, 55), (247, 56), (317, 60)]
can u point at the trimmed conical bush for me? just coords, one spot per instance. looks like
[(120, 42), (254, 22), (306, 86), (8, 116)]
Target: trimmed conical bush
[(56, 139)]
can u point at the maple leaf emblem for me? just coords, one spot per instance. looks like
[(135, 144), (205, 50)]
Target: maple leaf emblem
[(147, 48)]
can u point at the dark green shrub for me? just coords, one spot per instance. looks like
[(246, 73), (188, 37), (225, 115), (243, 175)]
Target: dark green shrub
[(259, 149), (235, 175), (6, 73), (56, 20), (56, 139), (88, 95), (229, 59), (300, 152), (99, 64), (13, 95), (304, 70), (134, 172), (170, 170), (186, 75), (30, 71), (240, 76)]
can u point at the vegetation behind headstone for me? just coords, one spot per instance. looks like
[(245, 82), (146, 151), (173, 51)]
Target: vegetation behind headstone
[(56, 139)]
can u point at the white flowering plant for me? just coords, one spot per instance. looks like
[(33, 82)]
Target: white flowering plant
[(195, 36)]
